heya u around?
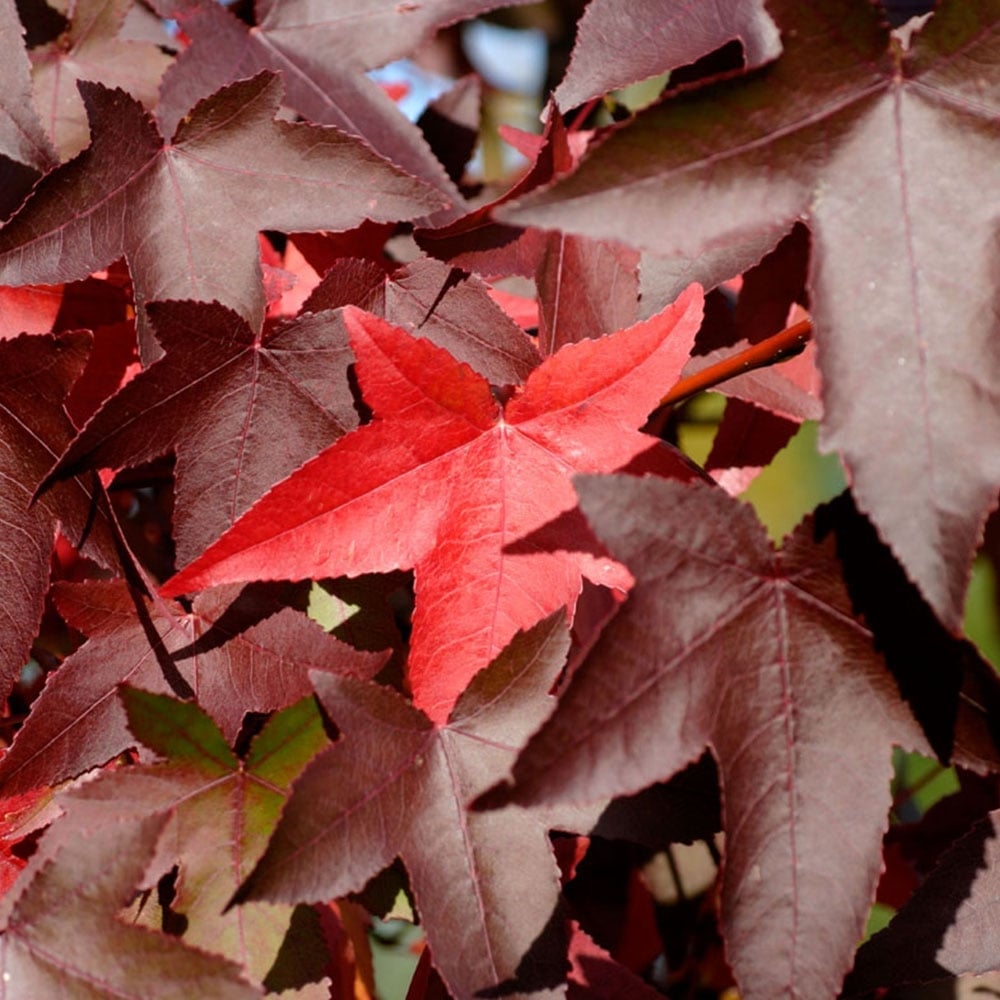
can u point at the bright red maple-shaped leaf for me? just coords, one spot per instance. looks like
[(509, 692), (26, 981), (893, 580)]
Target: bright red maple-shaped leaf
[(726, 643), (61, 936), (90, 49), (486, 885), (466, 475), (619, 42), (221, 808), (235, 652), (228, 171), (286, 385), (879, 150), (35, 375)]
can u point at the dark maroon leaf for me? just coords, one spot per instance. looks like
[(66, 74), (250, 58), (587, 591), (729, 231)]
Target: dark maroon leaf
[(586, 288), (946, 928), (322, 53), (35, 374), (726, 643), (879, 150), (236, 652), (772, 287), (477, 242), (619, 42), (229, 171), (449, 307), (951, 689), (485, 884), (285, 386), (747, 440)]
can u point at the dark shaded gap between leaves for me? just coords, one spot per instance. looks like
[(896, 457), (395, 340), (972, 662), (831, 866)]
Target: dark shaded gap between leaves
[(930, 665)]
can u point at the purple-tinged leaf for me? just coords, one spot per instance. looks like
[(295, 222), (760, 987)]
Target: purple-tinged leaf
[(23, 142), (90, 49), (948, 927), (485, 884), (619, 42), (219, 390), (185, 213), (62, 936), (236, 652), (726, 643), (35, 375)]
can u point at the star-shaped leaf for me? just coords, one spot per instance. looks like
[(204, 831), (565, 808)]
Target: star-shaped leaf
[(726, 643), (882, 152), (486, 885), (222, 810), (286, 385), (467, 475), (63, 938), (35, 375), (236, 652), (90, 49), (322, 53), (185, 212)]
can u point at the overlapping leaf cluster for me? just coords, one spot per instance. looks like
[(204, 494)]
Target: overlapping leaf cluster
[(265, 347)]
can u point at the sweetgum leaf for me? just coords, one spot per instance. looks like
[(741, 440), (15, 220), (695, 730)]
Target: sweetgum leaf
[(747, 440), (23, 142), (236, 652), (321, 52), (220, 388), (185, 213), (429, 299), (486, 884), (221, 812), (90, 49), (945, 929), (619, 42), (63, 938), (477, 242), (756, 654), (879, 151), (35, 374), (586, 288), (326, 91), (467, 475)]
